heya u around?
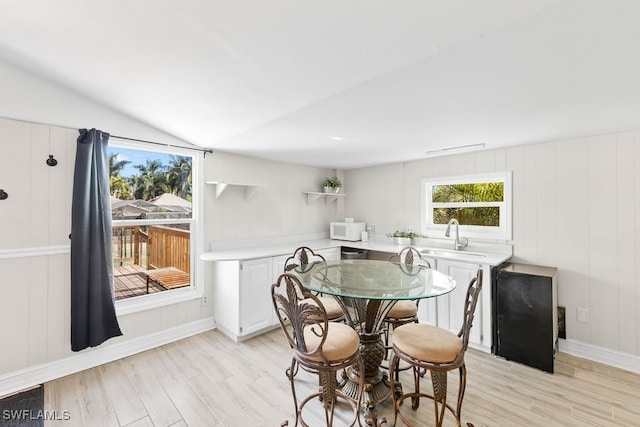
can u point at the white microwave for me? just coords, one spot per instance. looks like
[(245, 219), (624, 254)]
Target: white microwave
[(346, 230)]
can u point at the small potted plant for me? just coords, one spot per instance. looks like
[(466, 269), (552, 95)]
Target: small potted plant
[(331, 185), (404, 238)]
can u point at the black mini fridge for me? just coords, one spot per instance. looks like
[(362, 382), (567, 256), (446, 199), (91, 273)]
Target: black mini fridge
[(525, 315)]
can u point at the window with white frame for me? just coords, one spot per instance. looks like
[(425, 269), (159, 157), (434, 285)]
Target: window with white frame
[(480, 203), (152, 202)]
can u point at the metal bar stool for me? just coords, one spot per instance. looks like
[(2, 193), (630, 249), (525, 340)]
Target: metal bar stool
[(438, 351)]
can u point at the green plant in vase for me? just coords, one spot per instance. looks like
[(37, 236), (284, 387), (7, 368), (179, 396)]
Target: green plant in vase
[(402, 237), (332, 185)]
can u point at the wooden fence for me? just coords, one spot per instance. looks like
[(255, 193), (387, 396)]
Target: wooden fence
[(158, 247), (168, 247), (129, 245)]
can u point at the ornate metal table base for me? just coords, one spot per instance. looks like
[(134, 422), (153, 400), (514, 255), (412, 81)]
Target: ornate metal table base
[(376, 387)]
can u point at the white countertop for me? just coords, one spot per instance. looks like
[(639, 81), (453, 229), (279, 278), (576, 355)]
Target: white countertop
[(261, 251), (481, 253)]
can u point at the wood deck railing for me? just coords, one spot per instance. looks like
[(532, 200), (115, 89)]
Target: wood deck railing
[(135, 251), (158, 247), (129, 245), (168, 247)]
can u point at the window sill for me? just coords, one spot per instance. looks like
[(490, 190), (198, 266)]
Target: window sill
[(160, 299)]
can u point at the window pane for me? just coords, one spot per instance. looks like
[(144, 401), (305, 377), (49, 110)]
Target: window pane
[(154, 186), (160, 251), (458, 193), (149, 185), (480, 216)]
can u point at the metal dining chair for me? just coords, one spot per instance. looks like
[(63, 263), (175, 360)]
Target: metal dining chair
[(303, 260), (318, 346), (403, 311), (427, 347)]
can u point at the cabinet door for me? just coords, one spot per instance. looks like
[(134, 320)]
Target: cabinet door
[(450, 308), (330, 254), (256, 307), (277, 270), (427, 308)]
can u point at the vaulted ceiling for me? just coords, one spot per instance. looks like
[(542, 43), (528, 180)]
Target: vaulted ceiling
[(341, 83)]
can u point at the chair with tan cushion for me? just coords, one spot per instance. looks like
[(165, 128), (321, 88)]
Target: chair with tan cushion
[(303, 260), (403, 311), (318, 346), (426, 347)]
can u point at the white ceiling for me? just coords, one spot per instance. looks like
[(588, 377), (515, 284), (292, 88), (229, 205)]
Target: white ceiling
[(281, 79)]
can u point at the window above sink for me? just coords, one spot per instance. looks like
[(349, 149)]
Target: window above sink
[(481, 203)]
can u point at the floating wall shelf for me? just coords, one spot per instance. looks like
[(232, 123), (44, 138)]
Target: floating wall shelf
[(312, 196), (249, 189)]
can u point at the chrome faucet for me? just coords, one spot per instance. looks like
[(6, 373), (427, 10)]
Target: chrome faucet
[(459, 243)]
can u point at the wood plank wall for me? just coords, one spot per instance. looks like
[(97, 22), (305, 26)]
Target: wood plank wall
[(576, 206), (35, 222)]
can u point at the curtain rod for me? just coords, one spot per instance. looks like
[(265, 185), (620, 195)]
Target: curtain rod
[(204, 151)]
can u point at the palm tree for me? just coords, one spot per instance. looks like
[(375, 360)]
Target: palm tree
[(179, 176), (467, 193), (115, 165), (151, 182), (119, 186)]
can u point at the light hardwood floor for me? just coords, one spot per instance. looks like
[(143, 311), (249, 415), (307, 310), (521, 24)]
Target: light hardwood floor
[(208, 380)]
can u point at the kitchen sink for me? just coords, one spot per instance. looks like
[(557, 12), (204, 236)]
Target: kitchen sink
[(451, 254)]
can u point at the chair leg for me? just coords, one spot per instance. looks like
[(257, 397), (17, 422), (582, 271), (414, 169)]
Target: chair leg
[(291, 372), (415, 400), (461, 390), (386, 341), (361, 392), (439, 383), (395, 386)]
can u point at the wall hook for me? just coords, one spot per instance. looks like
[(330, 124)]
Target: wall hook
[(51, 161), (3, 194)]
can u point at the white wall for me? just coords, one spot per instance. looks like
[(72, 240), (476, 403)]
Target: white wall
[(41, 118), (35, 223), (576, 207), (277, 209)]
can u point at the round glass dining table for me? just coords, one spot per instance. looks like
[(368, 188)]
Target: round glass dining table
[(367, 290)]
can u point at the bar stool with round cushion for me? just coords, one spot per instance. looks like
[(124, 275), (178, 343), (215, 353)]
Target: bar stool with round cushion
[(318, 346), (426, 347), (303, 260), (403, 311)]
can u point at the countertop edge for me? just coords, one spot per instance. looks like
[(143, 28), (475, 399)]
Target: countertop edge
[(501, 254)]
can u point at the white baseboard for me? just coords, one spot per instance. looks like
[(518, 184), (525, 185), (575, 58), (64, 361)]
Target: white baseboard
[(624, 361), (25, 378)]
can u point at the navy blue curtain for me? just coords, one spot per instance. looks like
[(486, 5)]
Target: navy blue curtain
[(93, 313)]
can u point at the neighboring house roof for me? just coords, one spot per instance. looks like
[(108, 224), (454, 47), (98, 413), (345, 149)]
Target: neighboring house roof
[(168, 199), (141, 204), (131, 209)]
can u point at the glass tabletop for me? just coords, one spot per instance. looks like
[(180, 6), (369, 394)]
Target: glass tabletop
[(371, 279)]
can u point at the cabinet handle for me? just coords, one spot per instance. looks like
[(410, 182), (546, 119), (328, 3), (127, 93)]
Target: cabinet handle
[(3, 194)]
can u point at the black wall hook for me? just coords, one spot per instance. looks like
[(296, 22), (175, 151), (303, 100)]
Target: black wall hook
[(51, 161), (3, 194)]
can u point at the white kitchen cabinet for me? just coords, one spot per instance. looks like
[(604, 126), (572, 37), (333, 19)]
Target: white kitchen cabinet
[(242, 297), (427, 308), (447, 311), (450, 307), (329, 254), (242, 293), (256, 310)]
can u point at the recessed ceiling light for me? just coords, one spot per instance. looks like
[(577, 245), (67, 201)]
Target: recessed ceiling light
[(337, 138), (452, 150)]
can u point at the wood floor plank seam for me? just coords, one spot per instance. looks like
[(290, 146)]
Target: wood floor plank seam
[(209, 380)]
